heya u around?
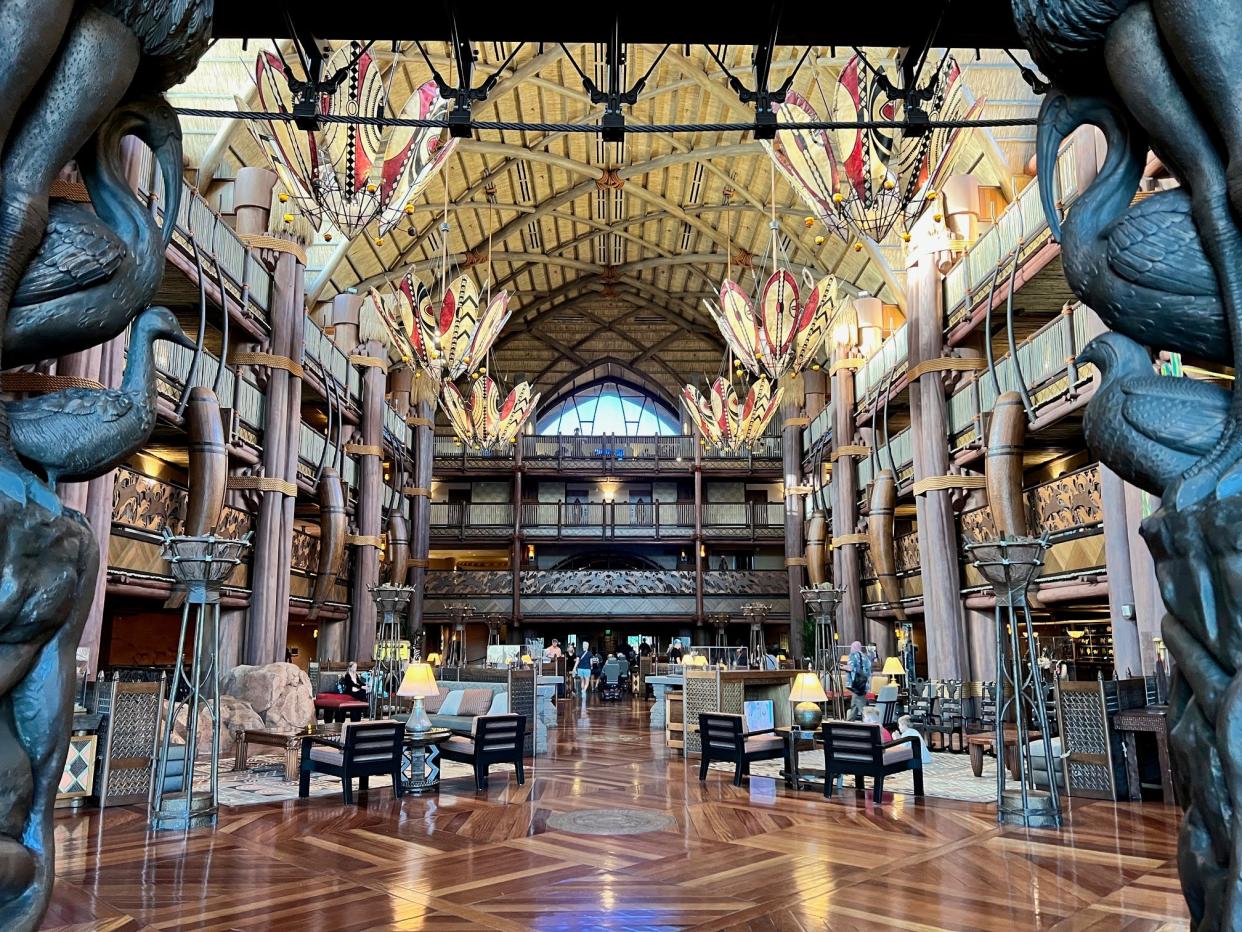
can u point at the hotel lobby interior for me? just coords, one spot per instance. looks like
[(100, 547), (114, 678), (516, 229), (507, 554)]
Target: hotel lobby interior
[(620, 467)]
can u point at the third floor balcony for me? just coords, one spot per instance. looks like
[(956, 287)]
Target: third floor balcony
[(608, 520)]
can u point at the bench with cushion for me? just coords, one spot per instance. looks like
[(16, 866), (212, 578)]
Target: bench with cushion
[(494, 739), (337, 707), (723, 737), (364, 749), (855, 748), (459, 704)]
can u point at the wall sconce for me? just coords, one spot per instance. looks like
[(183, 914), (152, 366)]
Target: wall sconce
[(530, 551), (703, 550), (1076, 633)]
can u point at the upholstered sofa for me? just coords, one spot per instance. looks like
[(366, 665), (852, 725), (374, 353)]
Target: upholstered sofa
[(447, 711)]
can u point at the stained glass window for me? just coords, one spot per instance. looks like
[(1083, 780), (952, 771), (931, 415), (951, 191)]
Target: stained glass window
[(609, 407)]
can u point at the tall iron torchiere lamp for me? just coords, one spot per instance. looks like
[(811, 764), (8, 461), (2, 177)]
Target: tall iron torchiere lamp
[(720, 621), (200, 565), (391, 651), (460, 612), (757, 614), (1009, 564), (822, 601)]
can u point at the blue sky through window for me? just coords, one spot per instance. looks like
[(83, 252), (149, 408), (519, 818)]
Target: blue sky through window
[(609, 408)]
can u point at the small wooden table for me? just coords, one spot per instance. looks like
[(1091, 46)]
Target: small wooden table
[(982, 741), (290, 742), (1153, 719)]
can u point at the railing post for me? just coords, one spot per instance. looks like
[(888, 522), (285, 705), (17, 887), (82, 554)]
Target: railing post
[(656, 506), (560, 523), (560, 445)]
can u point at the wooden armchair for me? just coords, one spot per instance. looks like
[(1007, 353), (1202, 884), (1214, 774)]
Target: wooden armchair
[(722, 738), (854, 748), (496, 739), (364, 750)]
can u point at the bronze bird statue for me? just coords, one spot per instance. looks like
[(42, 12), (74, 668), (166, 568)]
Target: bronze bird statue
[(1141, 268), (1148, 428), (95, 271), (81, 433)]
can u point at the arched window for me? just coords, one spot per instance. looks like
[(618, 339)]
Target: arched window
[(609, 407)]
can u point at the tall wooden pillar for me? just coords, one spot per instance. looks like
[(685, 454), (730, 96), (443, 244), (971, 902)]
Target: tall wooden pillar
[(516, 557), (846, 565), (268, 612), (942, 595), (423, 423), (699, 614), (294, 351), (1121, 605), (795, 559), (371, 358)]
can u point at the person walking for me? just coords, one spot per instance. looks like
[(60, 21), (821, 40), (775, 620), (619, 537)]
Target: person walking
[(859, 667)]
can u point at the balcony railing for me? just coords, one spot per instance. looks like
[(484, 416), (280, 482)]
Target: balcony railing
[(311, 450), (608, 520), (584, 583), (901, 446), (1047, 375), (817, 429), (396, 430), (609, 453), (174, 363), (195, 217), (319, 348), (1022, 223), (891, 357)]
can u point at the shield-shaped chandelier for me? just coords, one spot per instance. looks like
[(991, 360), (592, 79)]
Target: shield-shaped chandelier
[(483, 421), (865, 181), (779, 333), (723, 421), (343, 176)]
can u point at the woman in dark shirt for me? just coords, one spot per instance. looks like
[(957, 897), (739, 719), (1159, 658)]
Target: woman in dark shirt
[(351, 684)]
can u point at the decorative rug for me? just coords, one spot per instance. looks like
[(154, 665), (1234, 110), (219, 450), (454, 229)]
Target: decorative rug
[(264, 781), (611, 822), (948, 776)]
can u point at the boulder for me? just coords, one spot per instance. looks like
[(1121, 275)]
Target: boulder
[(279, 693), (235, 715), (203, 738)]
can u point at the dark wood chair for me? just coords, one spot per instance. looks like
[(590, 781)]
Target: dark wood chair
[(855, 748), (497, 739), (364, 750), (723, 738), (949, 719)]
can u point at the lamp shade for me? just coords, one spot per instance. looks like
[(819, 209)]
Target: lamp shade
[(419, 681), (807, 688), (893, 667)]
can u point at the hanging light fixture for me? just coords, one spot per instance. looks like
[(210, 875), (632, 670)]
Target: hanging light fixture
[(343, 176), (778, 334), (864, 181), (483, 422), (724, 422)]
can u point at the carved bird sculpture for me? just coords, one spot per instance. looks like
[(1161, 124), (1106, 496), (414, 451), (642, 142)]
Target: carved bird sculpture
[(1141, 268), (1148, 428), (81, 433), (95, 271)]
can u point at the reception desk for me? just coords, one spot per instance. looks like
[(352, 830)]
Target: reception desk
[(715, 690)]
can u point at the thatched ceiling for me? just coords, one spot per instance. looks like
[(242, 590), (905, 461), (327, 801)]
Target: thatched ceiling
[(600, 273)]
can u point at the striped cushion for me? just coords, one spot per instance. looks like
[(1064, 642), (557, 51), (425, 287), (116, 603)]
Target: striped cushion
[(432, 703), (460, 744)]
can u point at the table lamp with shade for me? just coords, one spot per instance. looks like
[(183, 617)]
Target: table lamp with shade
[(893, 669), (807, 691), (419, 682)]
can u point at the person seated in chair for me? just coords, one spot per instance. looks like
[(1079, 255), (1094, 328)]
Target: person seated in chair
[(871, 716), (906, 729), (351, 684)]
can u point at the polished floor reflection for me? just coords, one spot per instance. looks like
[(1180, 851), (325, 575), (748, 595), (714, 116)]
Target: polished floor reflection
[(759, 857)]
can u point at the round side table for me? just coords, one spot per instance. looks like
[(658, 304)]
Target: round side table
[(420, 761)]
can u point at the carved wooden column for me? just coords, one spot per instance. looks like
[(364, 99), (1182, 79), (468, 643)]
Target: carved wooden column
[(423, 422), (943, 616), (699, 616), (791, 457), (846, 565), (293, 350), (371, 358)]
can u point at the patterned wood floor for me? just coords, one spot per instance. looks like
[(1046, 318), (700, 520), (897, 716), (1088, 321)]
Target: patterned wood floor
[(758, 857)]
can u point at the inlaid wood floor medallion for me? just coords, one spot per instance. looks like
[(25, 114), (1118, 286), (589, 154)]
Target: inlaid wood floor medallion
[(755, 857)]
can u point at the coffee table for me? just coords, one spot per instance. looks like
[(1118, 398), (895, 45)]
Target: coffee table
[(420, 761), (982, 741), (290, 742)]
